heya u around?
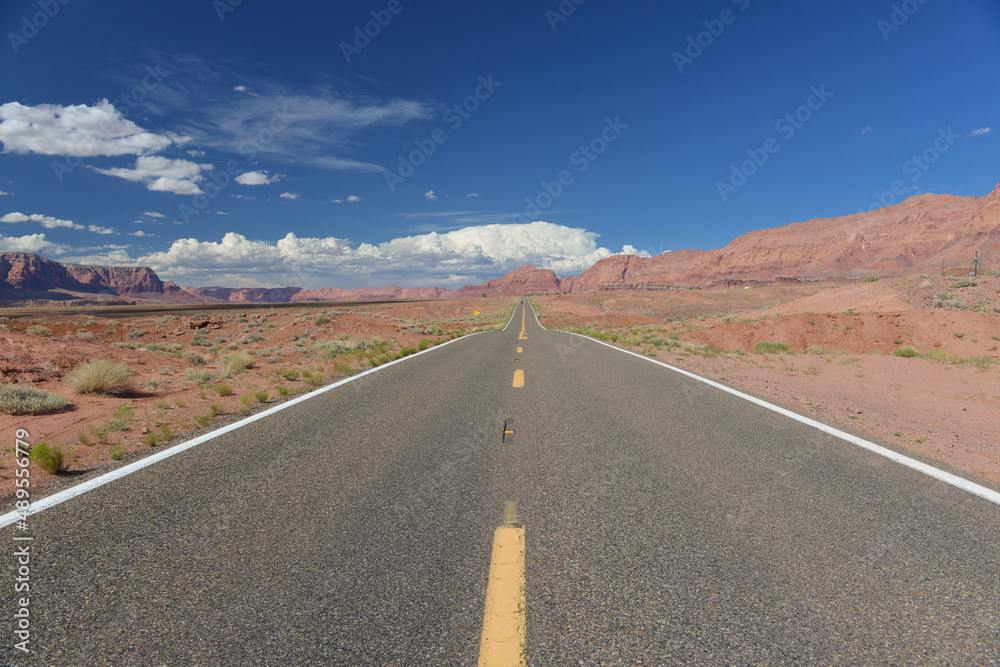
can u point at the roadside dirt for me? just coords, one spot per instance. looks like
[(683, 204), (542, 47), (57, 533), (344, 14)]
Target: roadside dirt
[(840, 364), (172, 389)]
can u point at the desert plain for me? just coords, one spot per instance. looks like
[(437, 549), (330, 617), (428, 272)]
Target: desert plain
[(910, 362)]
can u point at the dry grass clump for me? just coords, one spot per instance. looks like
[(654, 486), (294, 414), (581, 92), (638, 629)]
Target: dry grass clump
[(100, 376), (18, 400), (236, 363)]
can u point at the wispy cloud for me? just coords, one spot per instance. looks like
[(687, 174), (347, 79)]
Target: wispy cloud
[(430, 195), (48, 222), (317, 125), (981, 131), (289, 195)]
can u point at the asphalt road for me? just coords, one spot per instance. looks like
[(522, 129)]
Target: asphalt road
[(666, 523)]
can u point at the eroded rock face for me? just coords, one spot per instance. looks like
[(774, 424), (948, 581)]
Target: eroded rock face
[(916, 234), (26, 276)]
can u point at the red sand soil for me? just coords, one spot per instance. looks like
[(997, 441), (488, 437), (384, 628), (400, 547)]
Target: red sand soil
[(840, 366), (163, 394)]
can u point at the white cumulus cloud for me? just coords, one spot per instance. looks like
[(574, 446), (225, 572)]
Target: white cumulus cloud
[(256, 178), (981, 131), (463, 256), (77, 130), (46, 221), (34, 243), (353, 198), (430, 195), (289, 195), (162, 174)]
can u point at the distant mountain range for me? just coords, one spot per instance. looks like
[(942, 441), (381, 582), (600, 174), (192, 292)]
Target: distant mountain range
[(925, 232)]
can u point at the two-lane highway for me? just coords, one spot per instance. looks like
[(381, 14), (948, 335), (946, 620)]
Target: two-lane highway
[(664, 522)]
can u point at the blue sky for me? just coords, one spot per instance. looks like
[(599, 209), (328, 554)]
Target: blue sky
[(249, 143)]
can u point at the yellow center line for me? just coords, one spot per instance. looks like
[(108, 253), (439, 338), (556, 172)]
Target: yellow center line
[(519, 378), (502, 642), (520, 350), (522, 336)]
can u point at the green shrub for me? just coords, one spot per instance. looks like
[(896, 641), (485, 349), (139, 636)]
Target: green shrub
[(18, 400), (39, 330), (216, 409), (136, 334), (870, 279), (423, 345), (283, 390), (943, 295), (905, 351), (116, 452), (100, 376), (321, 320), (963, 283), (124, 412), (203, 420), (434, 330), (770, 347), (935, 355), (261, 396), (288, 373), (49, 459), (223, 389)]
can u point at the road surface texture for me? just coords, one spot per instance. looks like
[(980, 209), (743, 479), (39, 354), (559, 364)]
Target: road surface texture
[(666, 523)]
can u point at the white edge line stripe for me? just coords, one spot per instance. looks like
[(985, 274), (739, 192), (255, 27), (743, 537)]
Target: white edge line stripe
[(90, 485), (938, 474)]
